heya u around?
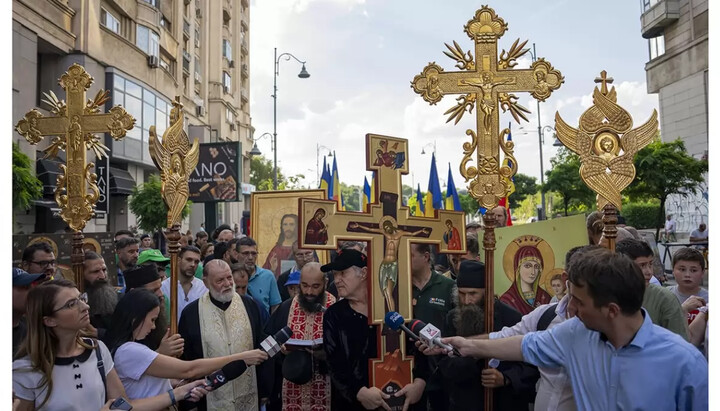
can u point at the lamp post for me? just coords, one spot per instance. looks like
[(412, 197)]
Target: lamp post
[(303, 74), (533, 54), (422, 150), (255, 151), (317, 159)]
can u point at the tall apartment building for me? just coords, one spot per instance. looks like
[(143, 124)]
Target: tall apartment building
[(677, 33), (146, 52)]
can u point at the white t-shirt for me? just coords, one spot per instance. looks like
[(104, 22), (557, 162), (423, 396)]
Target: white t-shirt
[(77, 384), (197, 289), (131, 361), (670, 225), (699, 234)]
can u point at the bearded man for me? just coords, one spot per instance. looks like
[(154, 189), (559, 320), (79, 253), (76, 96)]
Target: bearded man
[(221, 323), (302, 381), (102, 296), (514, 382)]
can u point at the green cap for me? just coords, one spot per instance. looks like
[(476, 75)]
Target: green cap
[(152, 255)]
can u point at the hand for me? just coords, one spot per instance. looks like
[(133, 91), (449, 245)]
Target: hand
[(427, 350), (466, 348), (372, 398), (105, 407), (693, 303), (353, 225), (412, 392), (254, 357), (171, 345), (492, 378), (196, 389)]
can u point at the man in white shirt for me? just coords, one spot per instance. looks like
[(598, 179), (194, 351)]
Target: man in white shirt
[(700, 235), (189, 287), (670, 229)]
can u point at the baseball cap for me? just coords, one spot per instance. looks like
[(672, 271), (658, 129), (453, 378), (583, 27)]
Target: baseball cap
[(21, 277), (151, 254), (293, 278), (345, 259)]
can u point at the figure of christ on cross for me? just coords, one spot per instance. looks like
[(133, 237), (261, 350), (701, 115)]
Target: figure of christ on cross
[(487, 100), (389, 265)]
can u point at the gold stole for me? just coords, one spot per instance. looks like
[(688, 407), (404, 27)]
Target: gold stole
[(315, 395), (225, 333)]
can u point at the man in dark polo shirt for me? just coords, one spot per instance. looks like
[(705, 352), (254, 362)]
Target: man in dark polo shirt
[(432, 301)]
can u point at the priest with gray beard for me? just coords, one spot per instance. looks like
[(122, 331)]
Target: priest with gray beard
[(102, 296), (513, 382)]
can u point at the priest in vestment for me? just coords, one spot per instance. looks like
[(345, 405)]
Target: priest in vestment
[(220, 323), (302, 381)]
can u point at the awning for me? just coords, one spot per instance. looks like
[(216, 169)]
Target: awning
[(47, 171), (121, 182)]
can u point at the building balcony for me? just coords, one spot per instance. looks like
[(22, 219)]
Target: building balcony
[(186, 62), (186, 29), (227, 11), (656, 18), (244, 70)]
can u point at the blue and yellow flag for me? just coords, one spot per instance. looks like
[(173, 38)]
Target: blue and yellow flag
[(372, 189), (366, 195), (433, 200), (420, 208), (335, 180), (325, 177), (452, 199)]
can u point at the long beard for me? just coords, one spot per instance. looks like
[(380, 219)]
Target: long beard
[(470, 319), (223, 297), (313, 304), (102, 297)]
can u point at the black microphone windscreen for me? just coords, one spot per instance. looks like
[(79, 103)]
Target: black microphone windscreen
[(283, 335), (234, 369), (416, 326)]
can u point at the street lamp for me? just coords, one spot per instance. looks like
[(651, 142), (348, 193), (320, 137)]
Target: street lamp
[(317, 159), (422, 151), (533, 54), (303, 74), (255, 150)]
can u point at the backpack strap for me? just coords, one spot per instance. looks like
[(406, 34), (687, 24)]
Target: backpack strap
[(546, 318), (100, 365)]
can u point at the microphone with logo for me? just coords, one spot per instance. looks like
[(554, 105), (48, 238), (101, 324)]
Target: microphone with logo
[(419, 331)]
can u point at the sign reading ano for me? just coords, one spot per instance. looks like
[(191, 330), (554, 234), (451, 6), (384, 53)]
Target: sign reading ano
[(217, 174)]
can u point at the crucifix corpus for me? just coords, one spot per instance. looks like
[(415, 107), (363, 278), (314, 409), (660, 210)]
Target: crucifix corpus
[(606, 144), (486, 83), (74, 125), (176, 159), (389, 230)]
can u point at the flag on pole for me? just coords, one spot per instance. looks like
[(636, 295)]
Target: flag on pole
[(372, 189), (433, 200), (366, 195), (335, 180), (452, 199), (420, 208), (325, 179)]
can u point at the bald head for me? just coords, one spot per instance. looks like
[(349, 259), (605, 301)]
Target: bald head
[(225, 236), (312, 287), (219, 280), (312, 273)]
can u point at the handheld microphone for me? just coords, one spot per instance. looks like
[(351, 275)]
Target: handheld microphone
[(271, 345), (430, 335), (396, 321), (320, 307), (224, 375)]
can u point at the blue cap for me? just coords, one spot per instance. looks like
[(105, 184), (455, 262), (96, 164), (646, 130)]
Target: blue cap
[(21, 277), (293, 278)]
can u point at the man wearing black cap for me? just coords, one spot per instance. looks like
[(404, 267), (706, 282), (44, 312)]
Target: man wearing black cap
[(348, 339), (514, 382), (21, 285)]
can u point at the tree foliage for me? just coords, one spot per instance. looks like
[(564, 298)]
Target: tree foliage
[(147, 204), (663, 169), (564, 179), (524, 186), (26, 187), (262, 176), (350, 197)]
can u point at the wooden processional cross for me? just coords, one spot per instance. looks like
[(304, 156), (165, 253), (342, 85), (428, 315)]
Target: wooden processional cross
[(486, 84), (74, 125), (389, 230)]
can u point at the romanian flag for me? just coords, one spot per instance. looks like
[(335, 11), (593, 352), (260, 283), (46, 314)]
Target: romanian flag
[(420, 208), (433, 200), (325, 178), (372, 189), (452, 199), (366, 196), (335, 180)]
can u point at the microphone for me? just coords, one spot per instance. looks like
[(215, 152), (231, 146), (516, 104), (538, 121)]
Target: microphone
[(430, 335), (320, 307), (396, 321), (224, 375), (271, 345)]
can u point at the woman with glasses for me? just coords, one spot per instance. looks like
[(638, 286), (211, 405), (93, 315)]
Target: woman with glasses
[(58, 365), (143, 371)]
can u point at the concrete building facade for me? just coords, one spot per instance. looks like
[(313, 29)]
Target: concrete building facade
[(146, 52)]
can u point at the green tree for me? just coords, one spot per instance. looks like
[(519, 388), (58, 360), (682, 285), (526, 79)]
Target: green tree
[(469, 205), (26, 187), (524, 186), (147, 204), (350, 196), (663, 169), (262, 176), (564, 179)]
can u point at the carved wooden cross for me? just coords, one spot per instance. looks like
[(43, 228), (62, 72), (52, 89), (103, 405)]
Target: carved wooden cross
[(389, 229), (486, 83), (74, 126)]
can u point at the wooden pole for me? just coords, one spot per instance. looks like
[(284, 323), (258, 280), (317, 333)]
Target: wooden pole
[(489, 246), (173, 235), (77, 258), (610, 225)]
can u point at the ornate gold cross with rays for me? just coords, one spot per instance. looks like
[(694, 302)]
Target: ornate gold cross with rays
[(74, 126), (487, 82)]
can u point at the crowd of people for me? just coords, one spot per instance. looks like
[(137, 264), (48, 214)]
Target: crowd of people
[(608, 330)]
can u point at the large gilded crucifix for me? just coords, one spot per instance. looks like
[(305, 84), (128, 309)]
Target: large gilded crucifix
[(74, 125), (486, 83), (389, 230)]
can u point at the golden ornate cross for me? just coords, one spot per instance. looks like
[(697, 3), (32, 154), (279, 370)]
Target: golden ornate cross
[(487, 83), (74, 125), (605, 80)]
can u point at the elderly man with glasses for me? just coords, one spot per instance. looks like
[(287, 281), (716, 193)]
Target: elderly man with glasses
[(261, 282), (302, 256)]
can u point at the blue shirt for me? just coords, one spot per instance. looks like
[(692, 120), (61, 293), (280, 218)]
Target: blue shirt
[(262, 286), (657, 370)]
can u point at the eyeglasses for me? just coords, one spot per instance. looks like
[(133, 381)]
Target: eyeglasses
[(249, 253), (44, 264), (74, 303)]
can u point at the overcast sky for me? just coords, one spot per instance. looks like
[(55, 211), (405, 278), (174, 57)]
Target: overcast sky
[(363, 54)]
